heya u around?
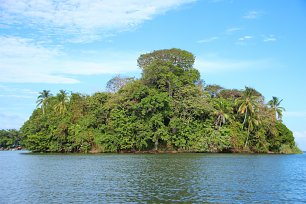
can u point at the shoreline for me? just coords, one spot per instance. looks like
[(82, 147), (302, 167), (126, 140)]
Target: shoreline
[(159, 152), (11, 149)]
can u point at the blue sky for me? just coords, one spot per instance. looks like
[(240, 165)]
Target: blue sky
[(78, 45)]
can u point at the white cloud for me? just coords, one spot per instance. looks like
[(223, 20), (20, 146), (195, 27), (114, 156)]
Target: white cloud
[(269, 38), (224, 34), (25, 61), (244, 38), (12, 92), (208, 40), (85, 20), (232, 30), (216, 65), (252, 15), (300, 138), (15, 96), (107, 67), (11, 121), (27, 48)]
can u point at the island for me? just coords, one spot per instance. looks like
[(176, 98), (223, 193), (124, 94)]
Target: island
[(168, 109)]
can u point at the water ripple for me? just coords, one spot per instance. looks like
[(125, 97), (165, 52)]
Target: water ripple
[(145, 178)]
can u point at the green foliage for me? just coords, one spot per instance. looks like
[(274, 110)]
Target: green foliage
[(167, 109), (168, 70), (61, 100), (9, 138), (43, 99), (274, 104), (213, 90), (287, 149), (116, 83), (40, 142)]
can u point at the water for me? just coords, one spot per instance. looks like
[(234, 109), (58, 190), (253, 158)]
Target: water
[(145, 178)]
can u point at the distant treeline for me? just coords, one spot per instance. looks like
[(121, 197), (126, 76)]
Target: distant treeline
[(9, 139), (168, 109)]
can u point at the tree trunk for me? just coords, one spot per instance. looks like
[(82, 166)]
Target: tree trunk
[(244, 120), (246, 141), (156, 145)]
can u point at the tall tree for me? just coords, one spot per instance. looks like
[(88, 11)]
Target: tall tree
[(117, 82), (230, 94), (168, 70), (176, 57), (43, 99), (248, 105), (274, 104), (213, 90), (252, 123), (62, 99)]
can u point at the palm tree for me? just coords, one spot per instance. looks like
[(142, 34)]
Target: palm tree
[(274, 104), (62, 98), (252, 123), (43, 99), (248, 105), (221, 110)]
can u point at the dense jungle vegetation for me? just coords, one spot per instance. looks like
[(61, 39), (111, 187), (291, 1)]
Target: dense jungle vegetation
[(168, 109), (9, 139)]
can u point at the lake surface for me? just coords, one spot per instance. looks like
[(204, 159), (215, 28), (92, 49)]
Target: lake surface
[(151, 178)]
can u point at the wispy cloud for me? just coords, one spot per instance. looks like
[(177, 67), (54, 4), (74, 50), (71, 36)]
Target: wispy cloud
[(15, 96), (25, 61), (269, 38), (232, 30), (295, 114), (84, 20), (10, 121), (300, 138), (14, 92), (252, 15), (89, 68), (226, 65), (27, 48), (300, 134), (244, 38), (208, 40), (224, 34), (215, 1)]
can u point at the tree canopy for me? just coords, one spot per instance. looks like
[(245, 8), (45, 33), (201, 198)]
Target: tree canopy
[(168, 109), (9, 139)]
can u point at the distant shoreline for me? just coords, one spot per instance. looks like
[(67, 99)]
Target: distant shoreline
[(11, 149), (155, 152)]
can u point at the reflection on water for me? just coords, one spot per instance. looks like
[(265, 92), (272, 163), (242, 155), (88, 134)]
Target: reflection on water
[(150, 178)]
